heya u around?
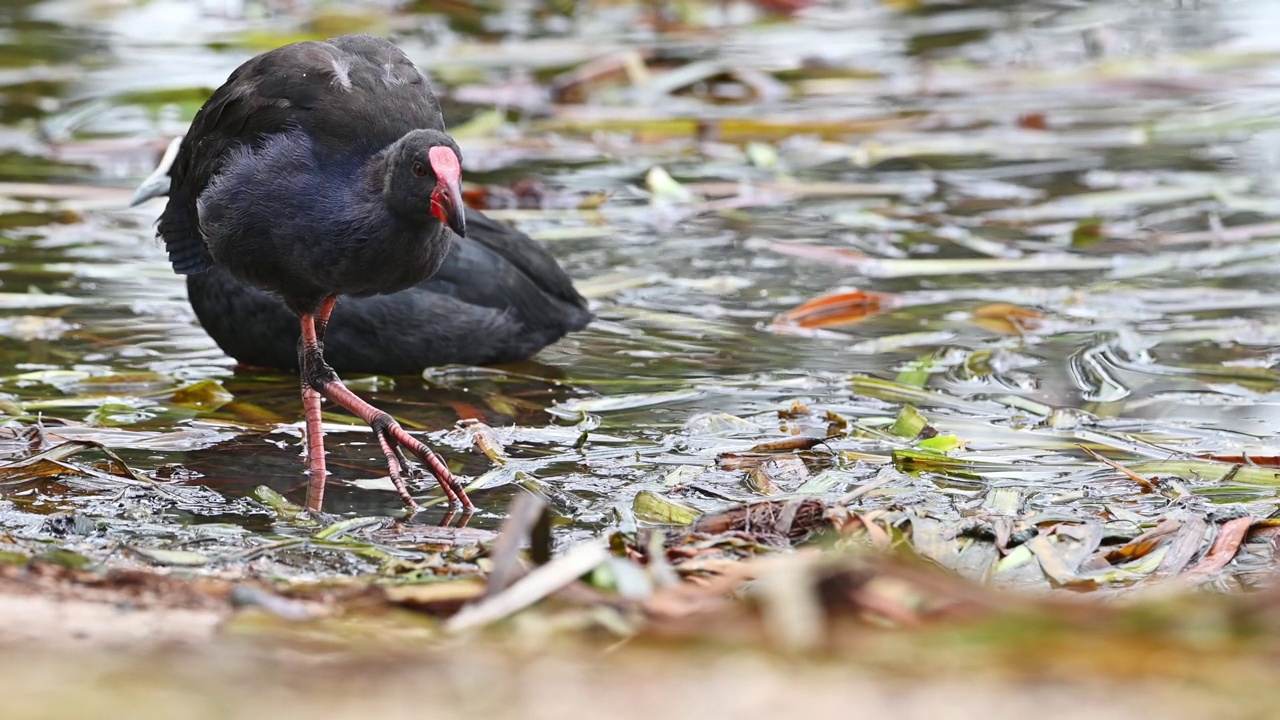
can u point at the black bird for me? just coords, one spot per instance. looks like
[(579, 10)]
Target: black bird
[(522, 303), (321, 169), (498, 297)]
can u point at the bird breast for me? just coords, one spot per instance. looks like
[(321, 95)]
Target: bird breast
[(280, 217)]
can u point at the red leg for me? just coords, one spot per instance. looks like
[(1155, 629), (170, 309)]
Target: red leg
[(319, 377), (322, 317), (391, 435), (314, 431)]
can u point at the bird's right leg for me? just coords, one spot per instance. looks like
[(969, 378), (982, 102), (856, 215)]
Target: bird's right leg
[(312, 332), (317, 375)]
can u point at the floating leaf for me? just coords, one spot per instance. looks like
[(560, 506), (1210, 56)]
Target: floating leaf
[(918, 371), (682, 475), (204, 396), (1008, 319), (278, 503), (344, 527), (1087, 233), (941, 443), (909, 424), (111, 414), (720, 425), (573, 409), (836, 310), (665, 189), (652, 507), (34, 300), (65, 558), (176, 558)]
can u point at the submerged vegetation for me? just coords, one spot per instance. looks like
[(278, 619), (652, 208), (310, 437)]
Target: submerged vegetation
[(954, 318)]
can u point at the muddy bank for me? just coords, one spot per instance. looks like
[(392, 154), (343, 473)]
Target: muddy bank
[(213, 675), (79, 644)]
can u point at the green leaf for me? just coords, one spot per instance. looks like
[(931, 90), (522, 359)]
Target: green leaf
[(917, 371), (941, 443), (203, 396), (652, 507), (176, 558), (910, 423)]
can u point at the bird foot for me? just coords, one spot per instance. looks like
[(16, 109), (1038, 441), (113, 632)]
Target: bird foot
[(320, 379), (394, 440)]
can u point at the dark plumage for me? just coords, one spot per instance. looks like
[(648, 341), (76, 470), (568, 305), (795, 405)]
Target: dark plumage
[(498, 297), (297, 174), (321, 169)]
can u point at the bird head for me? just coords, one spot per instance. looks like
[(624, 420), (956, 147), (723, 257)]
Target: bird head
[(425, 174)]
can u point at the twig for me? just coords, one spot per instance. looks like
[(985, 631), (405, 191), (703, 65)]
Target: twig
[(533, 587)]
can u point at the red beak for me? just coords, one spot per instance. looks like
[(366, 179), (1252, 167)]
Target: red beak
[(446, 199)]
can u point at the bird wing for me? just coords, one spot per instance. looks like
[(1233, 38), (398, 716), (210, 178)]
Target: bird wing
[(353, 96), (524, 255)]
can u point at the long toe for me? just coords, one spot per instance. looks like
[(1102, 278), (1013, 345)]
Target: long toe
[(392, 438), (391, 434)]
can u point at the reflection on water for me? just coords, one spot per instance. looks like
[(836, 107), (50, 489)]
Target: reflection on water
[(1081, 147)]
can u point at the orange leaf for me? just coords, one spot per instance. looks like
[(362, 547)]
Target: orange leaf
[(466, 411), (1261, 460), (838, 309), (1007, 319), (1225, 546), (1033, 121)]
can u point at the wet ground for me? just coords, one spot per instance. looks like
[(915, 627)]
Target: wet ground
[(1042, 226)]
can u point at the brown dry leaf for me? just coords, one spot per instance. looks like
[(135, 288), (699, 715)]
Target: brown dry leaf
[(1145, 483), (433, 535), (733, 461), (1033, 121), (466, 411), (1259, 460), (538, 584), (1144, 543), (760, 480), (1062, 552), (788, 445), (892, 599), (707, 586), (1184, 545), (797, 410), (1225, 546), (933, 540), (844, 522), (437, 598), (792, 519), (49, 464), (787, 470), (783, 7), (879, 537), (486, 441), (836, 310), (523, 516), (790, 604), (624, 67), (1008, 319)]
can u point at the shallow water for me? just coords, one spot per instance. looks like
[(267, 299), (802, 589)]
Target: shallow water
[(1076, 163)]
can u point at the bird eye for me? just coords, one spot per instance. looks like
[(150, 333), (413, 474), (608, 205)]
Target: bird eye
[(419, 169)]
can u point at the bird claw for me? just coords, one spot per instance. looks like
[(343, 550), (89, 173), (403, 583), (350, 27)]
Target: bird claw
[(394, 439)]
